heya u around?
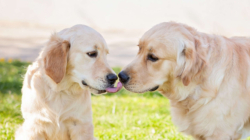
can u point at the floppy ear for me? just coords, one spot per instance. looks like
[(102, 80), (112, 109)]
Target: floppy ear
[(55, 60), (190, 61)]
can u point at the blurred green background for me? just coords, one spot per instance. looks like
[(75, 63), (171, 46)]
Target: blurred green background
[(120, 116)]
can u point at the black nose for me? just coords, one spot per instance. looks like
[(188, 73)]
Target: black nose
[(123, 77), (111, 78)]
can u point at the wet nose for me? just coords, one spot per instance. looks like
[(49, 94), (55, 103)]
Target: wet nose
[(123, 77), (111, 78)]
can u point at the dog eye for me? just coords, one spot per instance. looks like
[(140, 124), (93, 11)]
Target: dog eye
[(152, 57), (92, 54)]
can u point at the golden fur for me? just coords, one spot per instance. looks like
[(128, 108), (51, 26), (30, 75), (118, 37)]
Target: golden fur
[(55, 103), (206, 78)]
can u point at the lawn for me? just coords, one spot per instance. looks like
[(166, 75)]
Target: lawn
[(120, 116)]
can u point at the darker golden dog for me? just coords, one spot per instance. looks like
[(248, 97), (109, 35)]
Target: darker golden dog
[(206, 77)]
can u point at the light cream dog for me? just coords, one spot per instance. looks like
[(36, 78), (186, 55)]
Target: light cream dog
[(206, 77), (56, 100)]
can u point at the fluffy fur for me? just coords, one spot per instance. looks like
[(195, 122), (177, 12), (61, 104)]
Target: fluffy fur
[(55, 103), (206, 78)]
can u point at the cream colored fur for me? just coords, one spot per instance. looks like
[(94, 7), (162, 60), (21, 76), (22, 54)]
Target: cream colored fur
[(55, 103), (206, 78)]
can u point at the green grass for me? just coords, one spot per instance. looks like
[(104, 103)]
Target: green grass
[(120, 116)]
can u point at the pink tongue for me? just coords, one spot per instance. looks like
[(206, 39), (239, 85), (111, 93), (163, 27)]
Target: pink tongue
[(115, 89)]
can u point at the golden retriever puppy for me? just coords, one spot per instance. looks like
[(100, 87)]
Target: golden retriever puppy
[(206, 78), (56, 98)]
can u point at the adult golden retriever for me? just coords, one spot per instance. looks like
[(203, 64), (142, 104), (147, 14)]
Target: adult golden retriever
[(56, 98), (206, 78)]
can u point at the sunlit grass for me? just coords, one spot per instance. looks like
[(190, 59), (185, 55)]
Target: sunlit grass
[(133, 118)]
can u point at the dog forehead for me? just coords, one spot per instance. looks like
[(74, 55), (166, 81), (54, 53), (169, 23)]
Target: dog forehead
[(80, 31), (153, 36), (82, 35), (167, 30), (149, 43), (162, 47)]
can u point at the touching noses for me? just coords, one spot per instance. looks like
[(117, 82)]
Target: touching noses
[(111, 78), (123, 77)]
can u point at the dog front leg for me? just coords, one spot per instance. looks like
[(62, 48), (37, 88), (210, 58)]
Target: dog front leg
[(22, 134), (81, 131)]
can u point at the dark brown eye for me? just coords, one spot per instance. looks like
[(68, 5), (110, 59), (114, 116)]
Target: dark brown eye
[(152, 57), (92, 54)]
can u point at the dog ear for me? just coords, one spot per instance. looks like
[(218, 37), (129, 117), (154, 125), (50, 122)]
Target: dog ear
[(55, 60), (190, 61)]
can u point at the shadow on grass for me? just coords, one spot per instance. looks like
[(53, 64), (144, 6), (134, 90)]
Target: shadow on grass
[(7, 87), (11, 76)]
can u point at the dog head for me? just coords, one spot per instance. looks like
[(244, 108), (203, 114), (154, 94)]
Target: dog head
[(78, 54), (167, 52)]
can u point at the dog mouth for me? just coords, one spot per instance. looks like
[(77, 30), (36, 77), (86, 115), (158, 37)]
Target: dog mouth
[(135, 90), (154, 89), (113, 89), (110, 89)]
